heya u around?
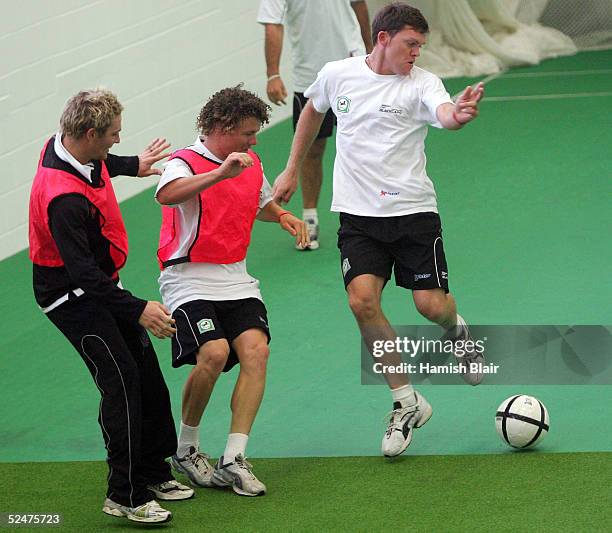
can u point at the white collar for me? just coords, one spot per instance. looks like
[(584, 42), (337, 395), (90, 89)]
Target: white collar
[(65, 155), (201, 149)]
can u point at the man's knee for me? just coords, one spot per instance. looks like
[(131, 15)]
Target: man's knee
[(254, 356), (212, 356), (364, 305), (432, 305)]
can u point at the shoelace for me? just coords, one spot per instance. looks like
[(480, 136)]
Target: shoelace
[(199, 458), (465, 335), (244, 464), (146, 508), (173, 485), (469, 357), (394, 418), (472, 356)]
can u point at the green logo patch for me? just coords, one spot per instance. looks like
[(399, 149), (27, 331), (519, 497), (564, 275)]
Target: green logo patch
[(206, 324), (343, 104)]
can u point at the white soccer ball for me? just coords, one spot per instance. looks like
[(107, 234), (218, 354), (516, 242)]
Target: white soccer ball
[(521, 421)]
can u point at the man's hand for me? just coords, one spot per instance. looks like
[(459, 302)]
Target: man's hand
[(157, 319), (152, 154), (296, 227), (277, 92), (466, 106), (234, 164), (284, 186)]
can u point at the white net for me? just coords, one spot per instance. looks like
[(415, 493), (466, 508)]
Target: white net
[(475, 37), (587, 22)]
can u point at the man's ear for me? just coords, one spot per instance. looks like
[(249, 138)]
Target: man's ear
[(217, 131), (91, 134)]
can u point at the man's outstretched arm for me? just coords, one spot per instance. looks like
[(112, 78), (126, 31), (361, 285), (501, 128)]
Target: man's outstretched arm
[(464, 110)]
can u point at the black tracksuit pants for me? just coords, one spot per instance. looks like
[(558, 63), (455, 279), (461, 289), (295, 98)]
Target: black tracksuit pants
[(135, 414)]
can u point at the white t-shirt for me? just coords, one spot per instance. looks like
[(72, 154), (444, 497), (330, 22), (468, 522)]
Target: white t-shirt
[(202, 281), (319, 31), (379, 168)]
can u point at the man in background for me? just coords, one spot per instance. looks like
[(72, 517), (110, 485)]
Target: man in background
[(78, 244), (319, 31)]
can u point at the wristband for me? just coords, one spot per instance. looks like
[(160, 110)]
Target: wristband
[(283, 213), (273, 77), (461, 124)]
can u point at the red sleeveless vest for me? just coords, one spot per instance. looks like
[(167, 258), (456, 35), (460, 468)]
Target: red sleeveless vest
[(49, 183), (227, 214)]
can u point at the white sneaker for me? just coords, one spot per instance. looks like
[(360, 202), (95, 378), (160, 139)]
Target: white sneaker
[(401, 422), (473, 377), (239, 475), (313, 234), (171, 490), (148, 513), (196, 466)]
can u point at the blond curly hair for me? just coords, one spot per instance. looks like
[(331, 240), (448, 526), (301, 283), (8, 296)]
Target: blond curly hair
[(95, 108)]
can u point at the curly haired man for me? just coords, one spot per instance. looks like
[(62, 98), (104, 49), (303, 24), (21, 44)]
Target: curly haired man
[(211, 193)]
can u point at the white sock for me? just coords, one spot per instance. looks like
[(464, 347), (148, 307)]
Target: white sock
[(236, 444), (188, 436), (404, 395), (311, 214), (462, 327)]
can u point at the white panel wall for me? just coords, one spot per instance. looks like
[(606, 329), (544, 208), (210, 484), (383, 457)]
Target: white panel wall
[(427, 7), (163, 58)]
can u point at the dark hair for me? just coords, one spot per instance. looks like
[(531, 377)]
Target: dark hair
[(92, 108), (394, 17), (228, 107)]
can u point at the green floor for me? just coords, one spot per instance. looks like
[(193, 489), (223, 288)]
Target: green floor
[(524, 194), (481, 493)]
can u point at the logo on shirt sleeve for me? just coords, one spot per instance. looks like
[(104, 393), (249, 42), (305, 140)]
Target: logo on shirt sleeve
[(343, 104)]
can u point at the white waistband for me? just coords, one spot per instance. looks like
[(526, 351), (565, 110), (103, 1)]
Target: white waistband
[(60, 301), (66, 297)]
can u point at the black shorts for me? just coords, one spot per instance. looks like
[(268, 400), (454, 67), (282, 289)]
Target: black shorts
[(327, 128), (200, 321), (411, 245)]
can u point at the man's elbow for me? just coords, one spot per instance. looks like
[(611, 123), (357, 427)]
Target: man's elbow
[(311, 110), (165, 197), (273, 32)]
